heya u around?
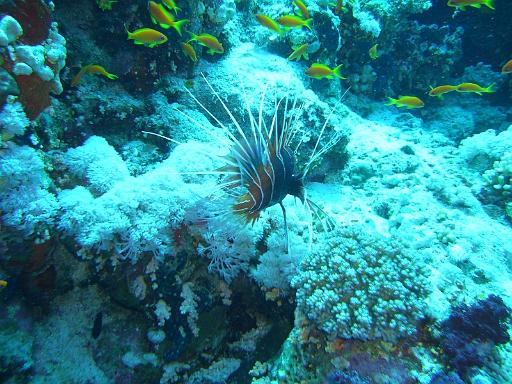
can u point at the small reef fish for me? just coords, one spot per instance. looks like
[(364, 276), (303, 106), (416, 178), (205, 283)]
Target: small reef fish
[(321, 71), (295, 22), (188, 50), (209, 41), (372, 52), (299, 52), (91, 69), (171, 4), (302, 9), (162, 17), (338, 7), (105, 5), (406, 101), (147, 36), (507, 68), (440, 90), (3, 283), (474, 88), (461, 4), (269, 23)]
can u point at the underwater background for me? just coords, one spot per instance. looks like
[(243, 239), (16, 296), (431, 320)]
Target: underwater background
[(267, 192)]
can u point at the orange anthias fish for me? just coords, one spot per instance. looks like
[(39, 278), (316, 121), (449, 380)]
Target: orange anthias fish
[(171, 4), (209, 41), (440, 90), (147, 36), (295, 22), (474, 88), (339, 7), (269, 23), (162, 17), (302, 9), (461, 4), (91, 69), (299, 52), (321, 71), (373, 53), (507, 68), (188, 50), (406, 101)]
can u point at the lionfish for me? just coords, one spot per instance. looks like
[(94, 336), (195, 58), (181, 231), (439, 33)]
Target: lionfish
[(260, 169)]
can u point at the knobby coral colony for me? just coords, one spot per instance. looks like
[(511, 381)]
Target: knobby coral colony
[(260, 170)]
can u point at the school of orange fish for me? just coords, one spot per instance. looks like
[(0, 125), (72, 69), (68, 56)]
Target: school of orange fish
[(160, 14)]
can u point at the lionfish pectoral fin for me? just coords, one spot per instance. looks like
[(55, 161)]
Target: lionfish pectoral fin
[(328, 223)]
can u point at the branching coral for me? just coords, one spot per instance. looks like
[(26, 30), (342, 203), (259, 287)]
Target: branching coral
[(363, 286)]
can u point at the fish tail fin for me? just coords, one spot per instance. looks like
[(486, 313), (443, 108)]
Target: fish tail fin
[(391, 101), (178, 25), (193, 37), (490, 88), (76, 79), (111, 76), (337, 72), (308, 24), (127, 31), (489, 4)]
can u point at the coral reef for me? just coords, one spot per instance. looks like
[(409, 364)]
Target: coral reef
[(377, 292), (35, 53), (114, 240), (469, 335)]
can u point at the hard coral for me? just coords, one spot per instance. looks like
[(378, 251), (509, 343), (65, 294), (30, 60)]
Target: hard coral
[(34, 17), (360, 285)]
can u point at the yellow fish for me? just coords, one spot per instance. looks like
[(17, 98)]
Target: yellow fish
[(147, 36), (461, 4), (209, 41), (406, 101), (269, 23), (440, 90), (321, 71), (474, 88), (302, 9), (188, 50), (339, 7), (3, 283), (162, 17), (171, 4), (373, 52), (299, 52), (507, 68), (295, 22), (91, 69), (105, 5)]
